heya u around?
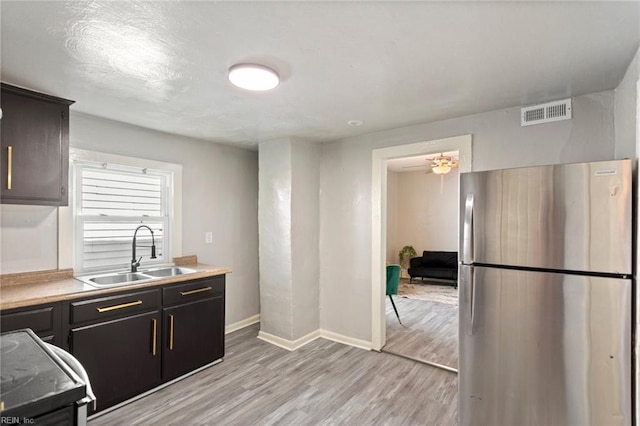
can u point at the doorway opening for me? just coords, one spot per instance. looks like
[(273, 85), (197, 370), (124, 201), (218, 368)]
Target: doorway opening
[(422, 237), (380, 158)]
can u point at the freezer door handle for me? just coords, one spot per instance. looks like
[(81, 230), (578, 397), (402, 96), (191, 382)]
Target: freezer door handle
[(467, 231)]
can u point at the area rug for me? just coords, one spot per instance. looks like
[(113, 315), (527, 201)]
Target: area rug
[(431, 292)]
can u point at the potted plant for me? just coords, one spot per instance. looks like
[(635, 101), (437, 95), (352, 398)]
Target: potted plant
[(406, 253)]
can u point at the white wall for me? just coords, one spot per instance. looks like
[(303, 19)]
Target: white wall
[(428, 218), (288, 224), (28, 238), (626, 111), (498, 142), (305, 231), (274, 216), (220, 193), (393, 247)]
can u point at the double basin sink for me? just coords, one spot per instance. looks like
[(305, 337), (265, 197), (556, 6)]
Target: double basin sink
[(123, 278)]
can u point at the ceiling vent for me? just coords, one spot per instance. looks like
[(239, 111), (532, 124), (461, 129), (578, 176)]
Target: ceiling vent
[(546, 113)]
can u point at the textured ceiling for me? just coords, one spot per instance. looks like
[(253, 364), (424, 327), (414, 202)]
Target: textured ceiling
[(163, 65)]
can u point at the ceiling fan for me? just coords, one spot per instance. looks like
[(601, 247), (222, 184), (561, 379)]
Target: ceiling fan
[(439, 164), (442, 164)]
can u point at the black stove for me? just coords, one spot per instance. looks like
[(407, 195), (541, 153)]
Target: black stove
[(34, 383)]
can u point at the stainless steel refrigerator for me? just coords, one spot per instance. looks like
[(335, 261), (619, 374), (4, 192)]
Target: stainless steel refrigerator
[(545, 295)]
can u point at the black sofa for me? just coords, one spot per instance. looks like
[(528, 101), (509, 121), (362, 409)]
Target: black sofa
[(436, 265)]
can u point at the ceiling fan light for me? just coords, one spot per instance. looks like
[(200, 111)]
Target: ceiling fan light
[(253, 77), (441, 169)]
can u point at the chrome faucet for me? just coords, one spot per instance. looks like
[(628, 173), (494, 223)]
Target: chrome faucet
[(135, 263)]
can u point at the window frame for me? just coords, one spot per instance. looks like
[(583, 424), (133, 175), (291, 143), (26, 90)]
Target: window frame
[(166, 218)]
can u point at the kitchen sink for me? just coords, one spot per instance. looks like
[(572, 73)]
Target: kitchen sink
[(169, 272), (115, 279)]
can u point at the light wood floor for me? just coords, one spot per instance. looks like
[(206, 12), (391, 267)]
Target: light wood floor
[(429, 331), (322, 383)]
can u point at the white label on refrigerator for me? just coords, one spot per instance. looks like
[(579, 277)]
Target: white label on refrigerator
[(606, 172)]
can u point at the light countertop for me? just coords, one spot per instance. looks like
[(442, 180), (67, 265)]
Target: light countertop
[(62, 286)]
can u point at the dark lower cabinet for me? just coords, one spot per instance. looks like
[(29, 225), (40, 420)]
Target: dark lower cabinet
[(122, 356), (132, 341), (193, 336), (193, 325), (45, 321), (61, 416)]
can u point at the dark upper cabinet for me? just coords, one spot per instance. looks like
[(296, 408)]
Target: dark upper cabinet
[(34, 163)]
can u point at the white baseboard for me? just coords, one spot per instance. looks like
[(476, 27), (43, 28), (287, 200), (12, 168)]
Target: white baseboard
[(345, 340), (242, 324), (290, 345)]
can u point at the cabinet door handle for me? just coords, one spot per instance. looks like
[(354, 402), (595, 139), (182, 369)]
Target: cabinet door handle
[(170, 332), (124, 305), (9, 165), (198, 290), (155, 331)]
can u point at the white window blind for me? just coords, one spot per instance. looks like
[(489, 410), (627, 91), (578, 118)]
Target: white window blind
[(112, 193), (111, 202)]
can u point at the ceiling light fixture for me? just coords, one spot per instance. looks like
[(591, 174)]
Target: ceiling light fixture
[(441, 169), (442, 165), (253, 77)]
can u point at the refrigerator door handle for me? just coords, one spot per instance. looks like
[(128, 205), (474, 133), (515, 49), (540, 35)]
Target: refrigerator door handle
[(470, 290), (472, 305), (467, 231)]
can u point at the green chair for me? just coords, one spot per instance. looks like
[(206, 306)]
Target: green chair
[(393, 279)]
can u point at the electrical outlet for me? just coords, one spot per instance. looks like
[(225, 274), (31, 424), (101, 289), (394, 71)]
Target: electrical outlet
[(208, 237)]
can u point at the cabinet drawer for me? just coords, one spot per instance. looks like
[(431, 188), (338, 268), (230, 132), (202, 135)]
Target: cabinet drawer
[(40, 320), (45, 321), (114, 306), (193, 290)]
